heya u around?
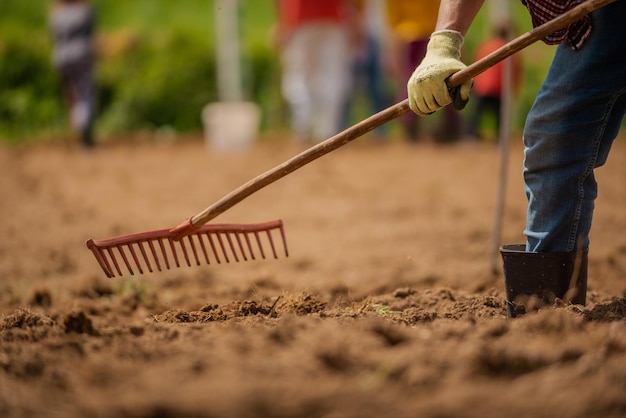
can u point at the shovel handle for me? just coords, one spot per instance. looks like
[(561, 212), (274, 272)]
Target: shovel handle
[(381, 118)]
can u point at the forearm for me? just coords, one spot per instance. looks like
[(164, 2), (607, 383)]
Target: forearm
[(427, 88), (457, 15)]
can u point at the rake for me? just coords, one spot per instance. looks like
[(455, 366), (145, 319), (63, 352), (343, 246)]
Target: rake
[(209, 243), (198, 243)]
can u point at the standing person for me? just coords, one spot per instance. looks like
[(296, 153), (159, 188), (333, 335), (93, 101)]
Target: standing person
[(568, 134), (411, 22), (488, 86), (72, 25), (367, 66), (314, 38)]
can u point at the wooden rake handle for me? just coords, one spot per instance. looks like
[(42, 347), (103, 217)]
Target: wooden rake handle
[(381, 118)]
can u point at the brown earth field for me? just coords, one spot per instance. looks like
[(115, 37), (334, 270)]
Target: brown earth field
[(390, 303)]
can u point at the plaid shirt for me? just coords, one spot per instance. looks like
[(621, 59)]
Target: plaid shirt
[(542, 11)]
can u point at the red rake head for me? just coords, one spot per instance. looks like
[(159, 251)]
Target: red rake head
[(210, 243)]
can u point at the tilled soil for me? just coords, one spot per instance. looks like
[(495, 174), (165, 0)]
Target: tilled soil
[(390, 303)]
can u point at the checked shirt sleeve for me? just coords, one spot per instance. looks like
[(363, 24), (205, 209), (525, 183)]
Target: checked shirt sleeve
[(542, 11)]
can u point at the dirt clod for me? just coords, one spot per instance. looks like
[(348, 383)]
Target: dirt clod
[(388, 305)]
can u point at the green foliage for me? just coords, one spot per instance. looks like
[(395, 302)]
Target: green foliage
[(169, 74), (29, 89), (157, 65), (162, 82), (156, 16), (167, 81), (28, 15)]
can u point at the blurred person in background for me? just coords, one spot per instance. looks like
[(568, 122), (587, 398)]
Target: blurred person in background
[(411, 23), (72, 24), (368, 69), (314, 38), (488, 86)]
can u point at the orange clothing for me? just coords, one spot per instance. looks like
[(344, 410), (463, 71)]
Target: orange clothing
[(489, 83), (293, 13), (412, 20)]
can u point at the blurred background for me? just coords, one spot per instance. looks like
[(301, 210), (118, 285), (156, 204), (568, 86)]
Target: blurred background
[(156, 67)]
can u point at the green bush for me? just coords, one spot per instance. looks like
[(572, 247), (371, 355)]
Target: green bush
[(162, 77), (165, 74), (163, 82), (166, 82), (30, 101)]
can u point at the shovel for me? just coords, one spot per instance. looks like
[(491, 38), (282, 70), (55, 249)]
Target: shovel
[(222, 242)]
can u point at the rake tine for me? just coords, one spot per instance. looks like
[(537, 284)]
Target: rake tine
[(215, 253), (165, 257), (232, 247), (221, 242), (258, 241), (100, 257), (181, 243), (154, 255), (104, 263), (114, 260), (128, 266), (145, 256), (282, 235), (203, 247), (243, 251), (269, 237), (174, 253), (193, 249), (245, 235), (132, 253)]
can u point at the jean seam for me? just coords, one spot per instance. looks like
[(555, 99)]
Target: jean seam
[(572, 241)]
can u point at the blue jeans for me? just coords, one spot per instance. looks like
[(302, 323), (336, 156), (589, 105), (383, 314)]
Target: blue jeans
[(569, 132)]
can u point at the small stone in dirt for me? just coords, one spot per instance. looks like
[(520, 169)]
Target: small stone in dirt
[(137, 331), (392, 336), (209, 307), (403, 293), (79, 323), (41, 297)]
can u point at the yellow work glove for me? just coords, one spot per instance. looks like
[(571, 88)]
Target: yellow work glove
[(427, 87)]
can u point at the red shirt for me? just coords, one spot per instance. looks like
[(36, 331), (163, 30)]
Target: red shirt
[(293, 13), (489, 82)]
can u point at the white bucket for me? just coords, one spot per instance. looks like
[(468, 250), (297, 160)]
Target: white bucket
[(230, 126)]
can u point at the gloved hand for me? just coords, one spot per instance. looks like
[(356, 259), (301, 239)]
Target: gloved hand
[(427, 87)]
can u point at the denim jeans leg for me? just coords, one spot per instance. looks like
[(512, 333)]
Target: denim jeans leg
[(569, 132)]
